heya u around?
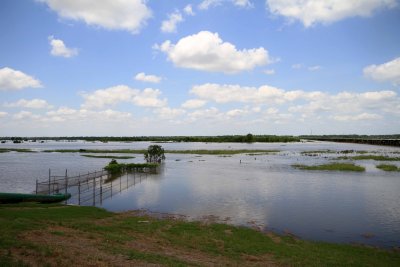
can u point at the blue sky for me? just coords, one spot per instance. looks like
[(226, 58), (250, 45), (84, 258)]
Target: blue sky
[(132, 67)]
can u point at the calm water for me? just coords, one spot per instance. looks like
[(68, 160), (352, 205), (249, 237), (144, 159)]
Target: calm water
[(244, 190)]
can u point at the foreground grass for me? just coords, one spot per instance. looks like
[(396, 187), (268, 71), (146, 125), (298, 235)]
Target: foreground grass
[(371, 157), (336, 166), (388, 167), (141, 151), (48, 235), (108, 157)]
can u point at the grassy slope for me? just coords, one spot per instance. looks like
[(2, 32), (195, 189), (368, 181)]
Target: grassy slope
[(67, 235)]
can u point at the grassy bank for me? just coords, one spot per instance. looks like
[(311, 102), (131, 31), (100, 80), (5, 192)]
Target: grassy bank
[(336, 166), (141, 151), (24, 150), (49, 235)]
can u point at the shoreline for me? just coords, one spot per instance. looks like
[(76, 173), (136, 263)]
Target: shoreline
[(56, 234)]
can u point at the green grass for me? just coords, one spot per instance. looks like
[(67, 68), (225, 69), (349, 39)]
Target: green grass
[(371, 157), (336, 166), (114, 234), (388, 167), (141, 151), (108, 157)]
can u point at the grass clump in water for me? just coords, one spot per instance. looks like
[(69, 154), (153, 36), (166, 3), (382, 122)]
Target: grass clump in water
[(336, 166), (388, 167)]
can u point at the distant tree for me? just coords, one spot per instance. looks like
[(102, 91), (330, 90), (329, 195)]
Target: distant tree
[(154, 154), (249, 138)]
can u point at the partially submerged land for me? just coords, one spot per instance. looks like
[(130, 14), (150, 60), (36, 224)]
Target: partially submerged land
[(335, 166), (58, 235)]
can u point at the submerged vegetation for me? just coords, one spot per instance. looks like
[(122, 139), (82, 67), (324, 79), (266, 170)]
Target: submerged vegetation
[(142, 151), (336, 166), (108, 157), (26, 150), (371, 157), (47, 235), (388, 167)]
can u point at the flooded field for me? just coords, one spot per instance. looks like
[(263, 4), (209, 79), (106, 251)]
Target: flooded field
[(261, 190)]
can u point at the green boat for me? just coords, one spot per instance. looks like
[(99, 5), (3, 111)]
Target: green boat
[(16, 198)]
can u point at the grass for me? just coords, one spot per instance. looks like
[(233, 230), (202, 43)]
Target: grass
[(108, 157), (388, 167), (41, 235), (141, 151), (371, 157), (336, 166)]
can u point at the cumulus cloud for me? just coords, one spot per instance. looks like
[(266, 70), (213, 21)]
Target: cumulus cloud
[(11, 79), (121, 93), (147, 78), (314, 68), (207, 52), (59, 49), (168, 113), (129, 15), (170, 24), (226, 93), (194, 103), (389, 71), (3, 114), (311, 12), (188, 10), (33, 103)]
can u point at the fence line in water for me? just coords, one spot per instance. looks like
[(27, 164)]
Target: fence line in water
[(90, 188)]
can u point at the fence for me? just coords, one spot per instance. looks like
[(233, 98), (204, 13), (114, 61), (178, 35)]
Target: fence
[(91, 188)]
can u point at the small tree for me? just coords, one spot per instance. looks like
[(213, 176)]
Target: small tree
[(154, 154)]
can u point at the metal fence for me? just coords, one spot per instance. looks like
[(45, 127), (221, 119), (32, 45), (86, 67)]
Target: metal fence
[(91, 188)]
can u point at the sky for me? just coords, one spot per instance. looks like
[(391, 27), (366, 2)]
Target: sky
[(211, 67)]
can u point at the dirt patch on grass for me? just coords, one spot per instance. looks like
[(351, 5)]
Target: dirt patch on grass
[(61, 246)]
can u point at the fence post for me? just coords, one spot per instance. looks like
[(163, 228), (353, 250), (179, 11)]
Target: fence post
[(101, 190), (94, 191), (36, 185), (66, 181), (111, 188), (49, 180), (79, 192)]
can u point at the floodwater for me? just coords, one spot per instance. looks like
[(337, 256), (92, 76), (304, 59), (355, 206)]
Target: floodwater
[(253, 190)]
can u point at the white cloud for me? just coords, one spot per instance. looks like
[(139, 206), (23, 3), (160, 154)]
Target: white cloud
[(25, 115), (311, 12), (207, 52), (170, 24), (226, 93), (34, 104), (359, 117), (147, 78), (3, 114), (206, 4), (314, 68), (11, 79), (189, 10), (59, 49), (269, 72), (389, 71), (236, 112), (194, 103), (121, 93), (129, 15), (205, 114), (169, 113)]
